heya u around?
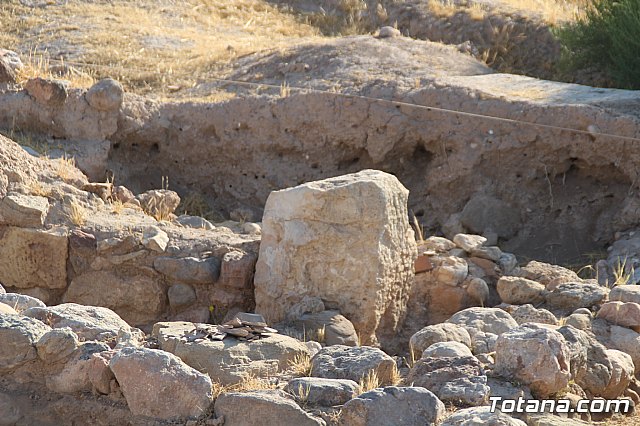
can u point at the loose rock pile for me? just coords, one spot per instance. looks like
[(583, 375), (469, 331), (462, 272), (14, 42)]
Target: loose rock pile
[(244, 327)]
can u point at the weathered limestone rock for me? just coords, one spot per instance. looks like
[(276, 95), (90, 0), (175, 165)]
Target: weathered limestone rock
[(74, 376), (437, 244), (20, 302), (308, 305), (196, 222), (579, 321), (158, 384), (346, 240), (393, 406), (138, 299), (27, 211), (181, 296), (336, 329), (450, 270), (159, 202), (230, 361), (574, 295), (33, 258), (352, 363), (447, 349), (625, 293), (155, 239), (519, 291), (433, 301), (7, 310), (88, 322), (322, 392), (266, 407), (189, 270), (455, 379), (589, 363), (549, 275), (527, 313), (477, 416), (57, 345), (19, 336), (468, 242), (444, 332), (489, 320), (484, 326), (626, 314), (105, 95), (621, 338), (47, 92), (536, 356)]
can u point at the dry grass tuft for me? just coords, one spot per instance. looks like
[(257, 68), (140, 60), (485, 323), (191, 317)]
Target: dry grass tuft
[(38, 188), (65, 167), (156, 47), (300, 365), (369, 382), (77, 214), (117, 207), (551, 11), (249, 383), (621, 274), (395, 377)]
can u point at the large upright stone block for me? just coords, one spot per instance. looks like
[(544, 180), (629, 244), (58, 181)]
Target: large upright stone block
[(346, 240)]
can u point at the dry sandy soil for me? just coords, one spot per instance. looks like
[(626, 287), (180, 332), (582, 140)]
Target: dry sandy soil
[(159, 48)]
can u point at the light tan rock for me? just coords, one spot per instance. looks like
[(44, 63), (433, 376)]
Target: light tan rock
[(138, 299), (468, 242), (393, 406), (437, 244), (158, 384), (625, 293), (443, 332), (230, 361), (27, 211), (622, 372), (549, 275), (535, 356), (88, 322), (33, 258), (352, 363), (626, 314), (346, 240), (155, 239), (7, 310), (19, 336), (450, 270), (266, 407), (519, 291)]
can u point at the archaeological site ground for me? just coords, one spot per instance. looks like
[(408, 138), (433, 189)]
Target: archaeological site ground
[(331, 212)]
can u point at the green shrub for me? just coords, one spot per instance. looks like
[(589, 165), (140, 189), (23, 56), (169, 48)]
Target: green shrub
[(607, 38)]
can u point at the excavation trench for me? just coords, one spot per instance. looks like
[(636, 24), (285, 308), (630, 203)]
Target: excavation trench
[(548, 192)]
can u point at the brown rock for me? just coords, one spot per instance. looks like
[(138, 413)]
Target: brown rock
[(33, 258), (158, 384), (423, 264), (138, 298), (626, 314), (46, 92)]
